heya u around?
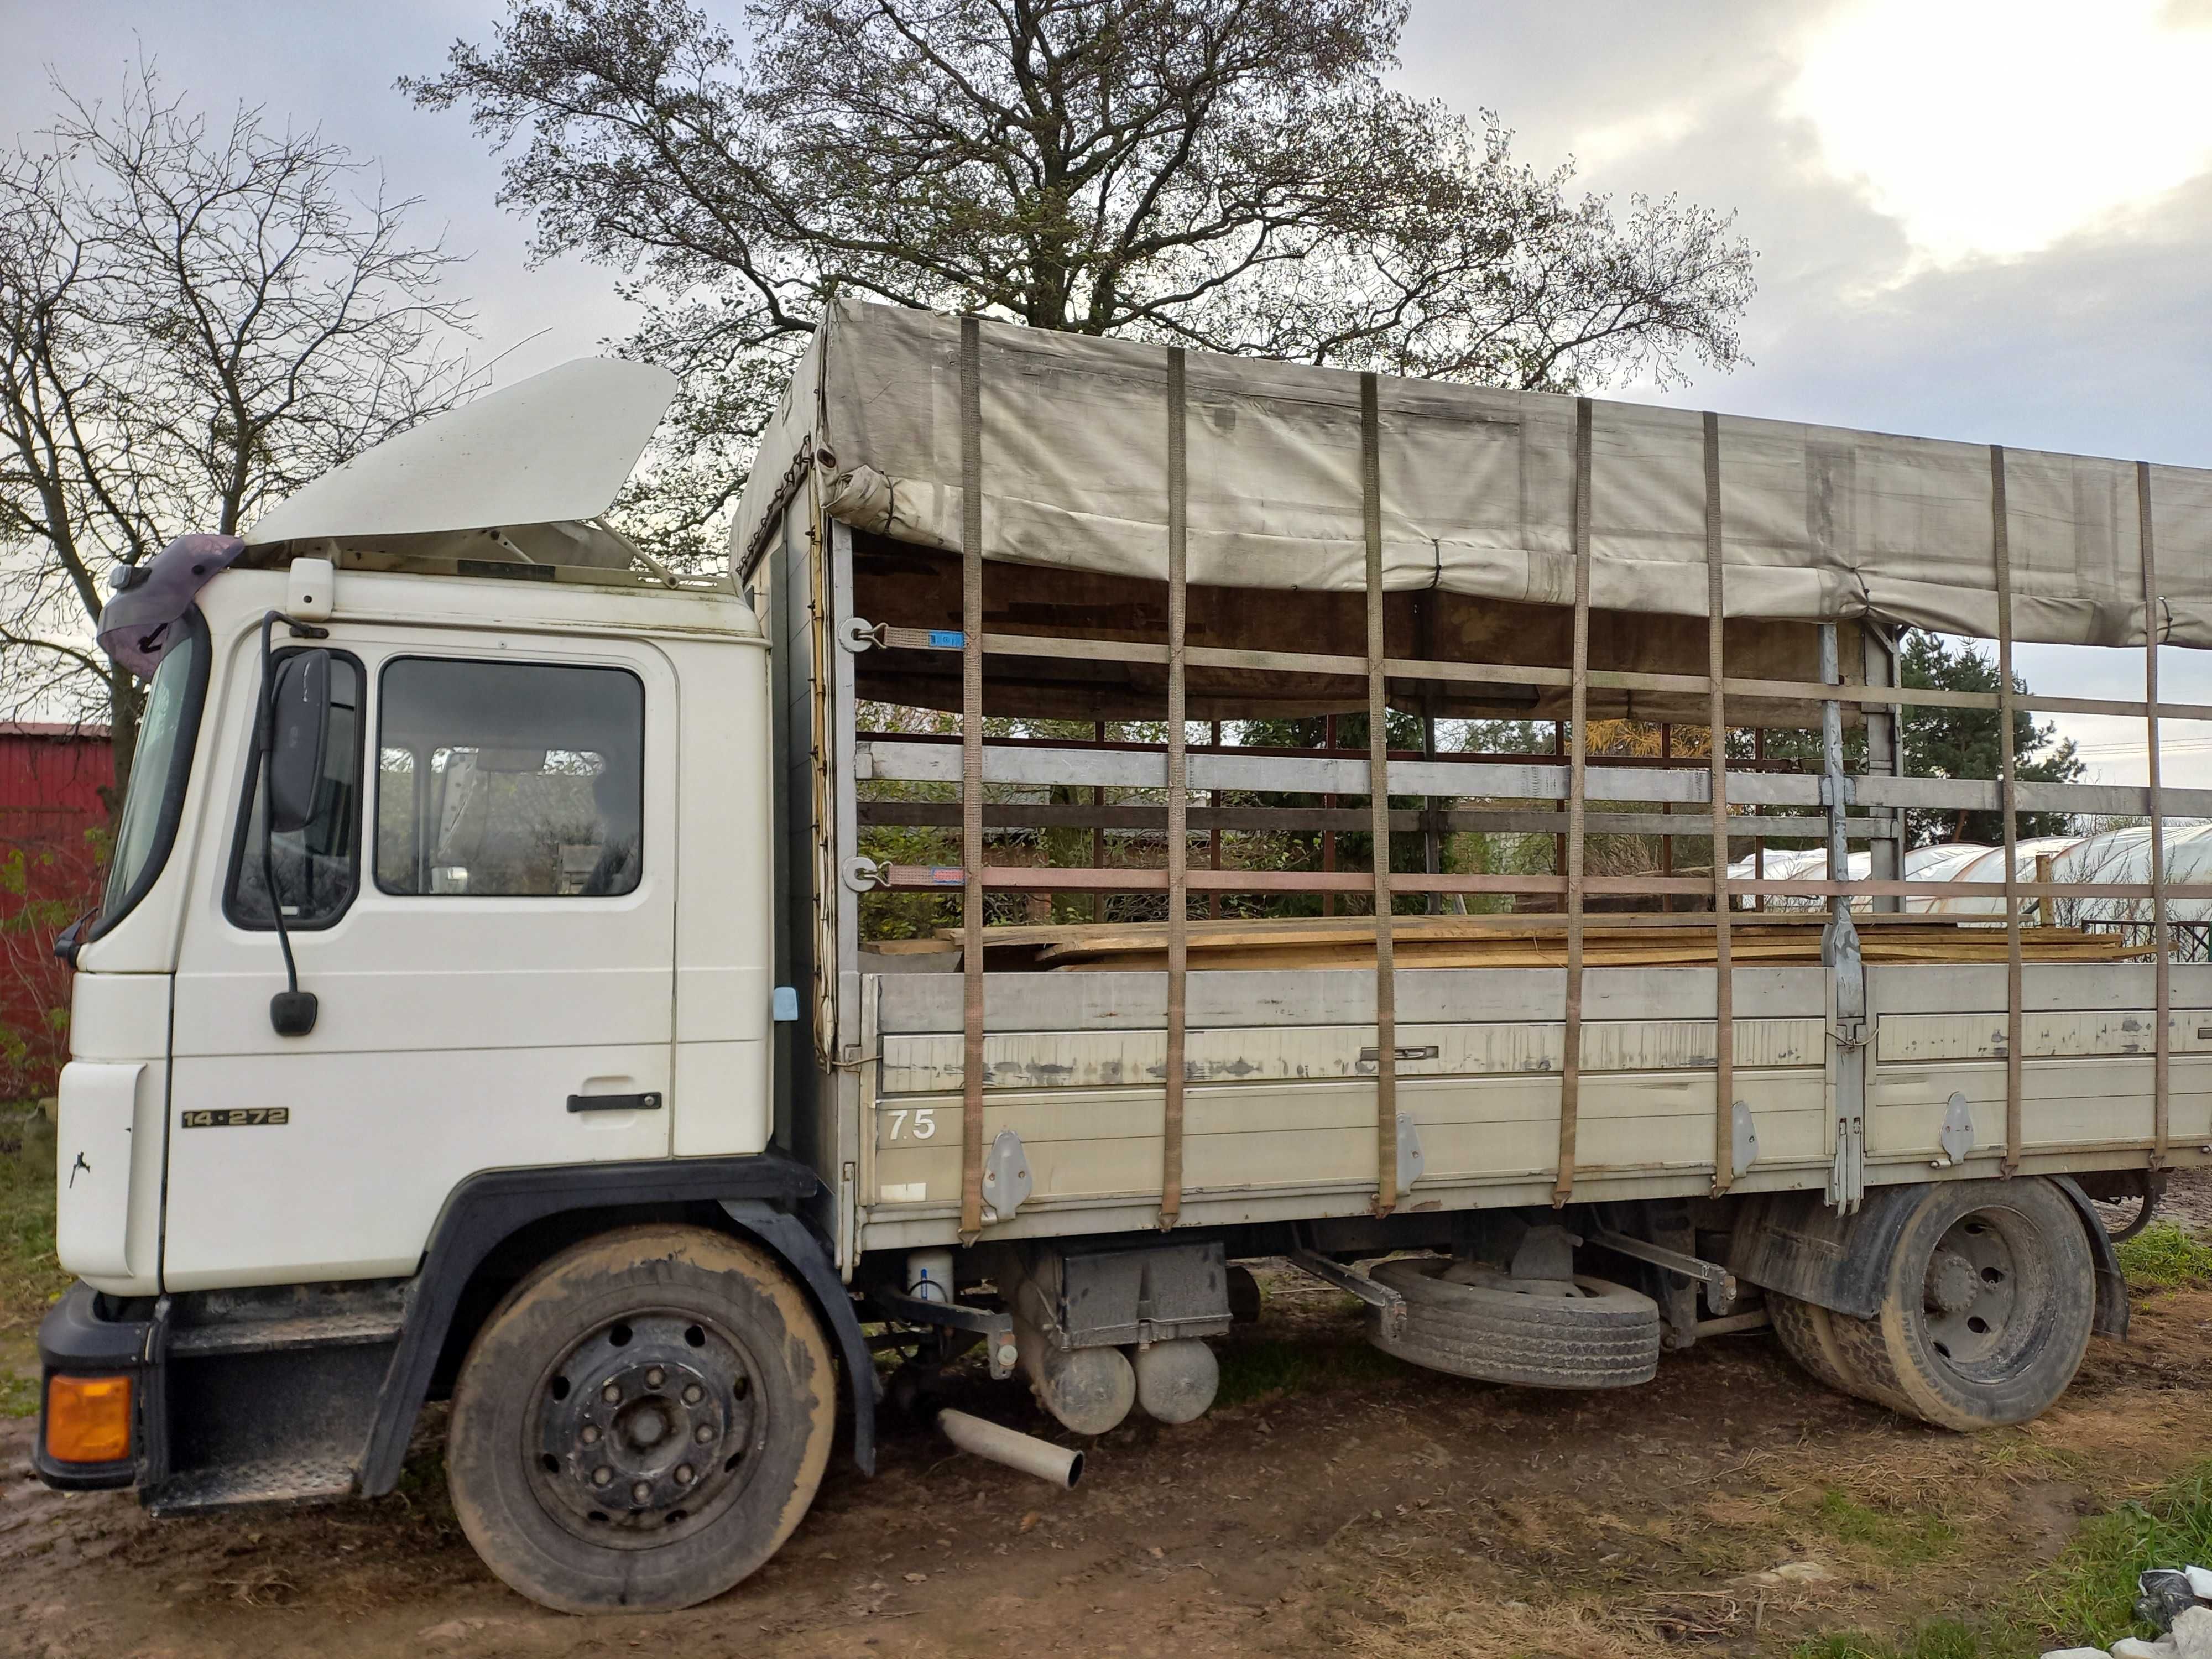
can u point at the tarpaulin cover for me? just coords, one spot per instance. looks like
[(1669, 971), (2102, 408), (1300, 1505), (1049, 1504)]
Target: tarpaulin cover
[(1820, 523)]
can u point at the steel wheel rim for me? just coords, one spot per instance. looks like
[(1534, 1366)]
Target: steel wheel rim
[(646, 1431), (1986, 1295)]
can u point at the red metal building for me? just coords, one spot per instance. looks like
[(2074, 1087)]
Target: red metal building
[(53, 844)]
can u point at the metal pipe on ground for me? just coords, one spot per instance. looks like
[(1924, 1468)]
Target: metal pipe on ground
[(1061, 1465)]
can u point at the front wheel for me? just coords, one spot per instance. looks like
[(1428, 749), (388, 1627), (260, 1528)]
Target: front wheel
[(642, 1422)]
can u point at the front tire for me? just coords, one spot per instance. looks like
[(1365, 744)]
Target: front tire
[(1987, 1309), (642, 1422)]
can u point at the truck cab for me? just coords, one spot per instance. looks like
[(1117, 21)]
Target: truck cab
[(521, 859)]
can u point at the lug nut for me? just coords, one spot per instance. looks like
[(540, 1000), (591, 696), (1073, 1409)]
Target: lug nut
[(590, 1437), (704, 1433), (640, 1492), (684, 1474), (654, 1377), (601, 1476), (693, 1394), (612, 1392)]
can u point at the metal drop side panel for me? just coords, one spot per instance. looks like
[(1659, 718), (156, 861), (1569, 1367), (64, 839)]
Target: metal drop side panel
[(1280, 1095)]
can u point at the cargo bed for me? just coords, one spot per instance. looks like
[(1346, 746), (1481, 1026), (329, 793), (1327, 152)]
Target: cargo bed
[(1644, 1033)]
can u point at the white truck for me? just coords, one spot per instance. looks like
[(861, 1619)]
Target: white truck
[(562, 1079)]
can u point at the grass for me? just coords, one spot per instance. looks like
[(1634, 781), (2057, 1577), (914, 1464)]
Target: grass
[(1946, 1638), (1905, 1540), (2162, 1257), (2093, 1589), (30, 1277), (2086, 1598), (1256, 1369)]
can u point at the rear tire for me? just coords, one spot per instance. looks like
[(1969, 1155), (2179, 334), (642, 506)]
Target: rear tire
[(1538, 1334), (1808, 1338), (1987, 1309), (642, 1422)]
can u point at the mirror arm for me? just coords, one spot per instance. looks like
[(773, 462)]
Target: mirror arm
[(291, 1011), (71, 940)]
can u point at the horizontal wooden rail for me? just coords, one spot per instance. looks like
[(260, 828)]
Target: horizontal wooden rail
[(1030, 878), (1082, 879), (1414, 668), (1259, 772), (1076, 814)]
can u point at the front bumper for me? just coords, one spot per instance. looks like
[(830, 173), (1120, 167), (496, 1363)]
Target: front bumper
[(84, 1335)]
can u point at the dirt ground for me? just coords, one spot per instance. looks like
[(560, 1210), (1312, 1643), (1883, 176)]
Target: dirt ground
[(1343, 1503)]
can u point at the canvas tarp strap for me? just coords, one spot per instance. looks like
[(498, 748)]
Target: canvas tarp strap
[(1178, 802), (1379, 787), (2007, 803), (2162, 1051), (1570, 1063), (1724, 1170), (971, 775)]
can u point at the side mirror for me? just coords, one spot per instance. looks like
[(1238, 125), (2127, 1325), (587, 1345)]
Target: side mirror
[(298, 724)]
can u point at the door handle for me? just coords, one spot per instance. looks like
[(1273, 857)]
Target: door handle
[(647, 1103)]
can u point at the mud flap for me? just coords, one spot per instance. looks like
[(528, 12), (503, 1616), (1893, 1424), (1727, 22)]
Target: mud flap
[(1795, 1244), (807, 1258)]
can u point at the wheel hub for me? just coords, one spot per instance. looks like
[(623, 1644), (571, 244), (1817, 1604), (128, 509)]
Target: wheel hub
[(643, 1429), (1972, 1295), (1953, 1282)]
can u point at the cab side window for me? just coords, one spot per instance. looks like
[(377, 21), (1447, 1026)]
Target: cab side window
[(318, 869), (509, 779)]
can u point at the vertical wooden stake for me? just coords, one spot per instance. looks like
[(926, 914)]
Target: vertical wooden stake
[(1378, 789), (1213, 837), (1571, 1065), (2008, 805), (1724, 1170), (2161, 933), (971, 776), (1178, 805)]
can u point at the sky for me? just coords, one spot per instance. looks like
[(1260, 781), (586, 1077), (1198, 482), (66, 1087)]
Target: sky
[(1988, 220)]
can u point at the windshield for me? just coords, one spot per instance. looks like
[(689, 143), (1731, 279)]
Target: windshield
[(158, 771)]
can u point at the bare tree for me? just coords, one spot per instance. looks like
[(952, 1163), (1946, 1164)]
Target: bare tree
[(195, 318), (1232, 174)]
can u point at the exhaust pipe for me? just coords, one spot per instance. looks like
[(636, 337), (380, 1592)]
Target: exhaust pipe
[(1056, 1464)]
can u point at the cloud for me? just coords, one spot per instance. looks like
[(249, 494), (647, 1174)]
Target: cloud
[(1997, 126)]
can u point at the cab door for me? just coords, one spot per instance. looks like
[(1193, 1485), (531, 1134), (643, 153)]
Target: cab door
[(484, 910)]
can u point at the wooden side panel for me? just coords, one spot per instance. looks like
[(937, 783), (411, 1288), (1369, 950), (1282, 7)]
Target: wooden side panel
[(1105, 1143), (1090, 1060), (2103, 1102), (1279, 1101)]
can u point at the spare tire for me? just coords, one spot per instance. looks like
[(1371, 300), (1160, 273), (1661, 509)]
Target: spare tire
[(1471, 1320)]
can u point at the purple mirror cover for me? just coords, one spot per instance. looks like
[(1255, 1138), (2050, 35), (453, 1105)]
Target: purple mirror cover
[(134, 628)]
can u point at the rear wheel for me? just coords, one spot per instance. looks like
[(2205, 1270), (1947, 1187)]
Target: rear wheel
[(1987, 1309), (1807, 1337), (642, 1423)]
